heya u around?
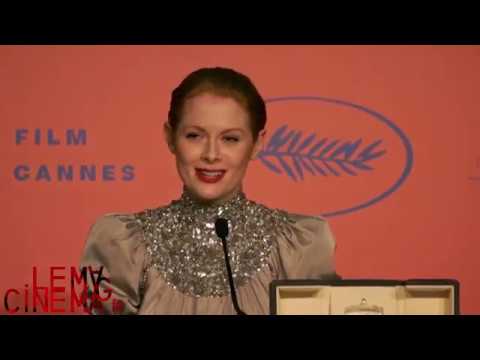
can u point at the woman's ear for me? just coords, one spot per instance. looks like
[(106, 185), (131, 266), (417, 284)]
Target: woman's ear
[(169, 138), (258, 144)]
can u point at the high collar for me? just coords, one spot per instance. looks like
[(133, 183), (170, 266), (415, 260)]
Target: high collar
[(236, 202)]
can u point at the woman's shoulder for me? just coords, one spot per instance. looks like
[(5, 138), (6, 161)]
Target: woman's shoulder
[(305, 219), (120, 229), (115, 224), (129, 222), (306, 246), (125, 229), (313, 224), (297, 222), (309, 230)]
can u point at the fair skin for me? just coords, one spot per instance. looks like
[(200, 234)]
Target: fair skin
[(213, 145)]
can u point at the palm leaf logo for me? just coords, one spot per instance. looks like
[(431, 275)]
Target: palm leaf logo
[(290, 152)]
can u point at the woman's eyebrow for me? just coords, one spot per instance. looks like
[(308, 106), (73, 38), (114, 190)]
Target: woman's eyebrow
[(233, 129), (194, 127), (199, 128)]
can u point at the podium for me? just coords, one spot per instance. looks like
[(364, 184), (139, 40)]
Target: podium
[(365, 297)]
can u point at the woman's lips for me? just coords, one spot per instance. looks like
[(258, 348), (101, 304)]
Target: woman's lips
[(209, 176)]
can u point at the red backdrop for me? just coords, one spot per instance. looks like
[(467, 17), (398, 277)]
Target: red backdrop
[(402, 192)]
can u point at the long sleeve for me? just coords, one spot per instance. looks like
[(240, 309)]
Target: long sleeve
[(116, 246)]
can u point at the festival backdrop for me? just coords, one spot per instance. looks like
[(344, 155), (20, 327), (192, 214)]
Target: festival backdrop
[(381, 140)]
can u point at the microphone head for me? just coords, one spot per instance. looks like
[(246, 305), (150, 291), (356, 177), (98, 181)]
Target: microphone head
[(221, 227)]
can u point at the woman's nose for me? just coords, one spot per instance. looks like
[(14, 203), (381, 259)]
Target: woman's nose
[(211, 151)]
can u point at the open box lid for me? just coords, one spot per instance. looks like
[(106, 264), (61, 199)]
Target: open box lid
[(366, 296)]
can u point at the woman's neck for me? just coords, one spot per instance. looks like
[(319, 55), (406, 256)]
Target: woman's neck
[(234, 196)]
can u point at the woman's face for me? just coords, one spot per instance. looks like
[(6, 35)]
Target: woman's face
[(213, 145)]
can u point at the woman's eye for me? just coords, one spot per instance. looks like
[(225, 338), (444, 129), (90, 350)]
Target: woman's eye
[(192, 135), (231, 138)]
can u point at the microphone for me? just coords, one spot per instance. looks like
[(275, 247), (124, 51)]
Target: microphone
[(221, 228)]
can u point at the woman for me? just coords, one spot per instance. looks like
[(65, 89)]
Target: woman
[(170, 260)]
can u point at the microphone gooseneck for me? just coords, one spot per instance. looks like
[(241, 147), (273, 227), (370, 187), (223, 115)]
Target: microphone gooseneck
[(221, 228)]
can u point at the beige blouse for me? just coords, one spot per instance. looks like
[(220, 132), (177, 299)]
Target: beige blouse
[(303, 249)]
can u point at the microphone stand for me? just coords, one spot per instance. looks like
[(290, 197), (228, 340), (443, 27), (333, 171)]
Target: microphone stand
[(229, 273)]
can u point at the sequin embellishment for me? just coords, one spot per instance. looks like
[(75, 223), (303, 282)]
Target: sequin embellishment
[(183, 247)]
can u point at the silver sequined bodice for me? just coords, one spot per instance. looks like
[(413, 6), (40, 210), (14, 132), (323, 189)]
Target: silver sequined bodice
[(183, 246)]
